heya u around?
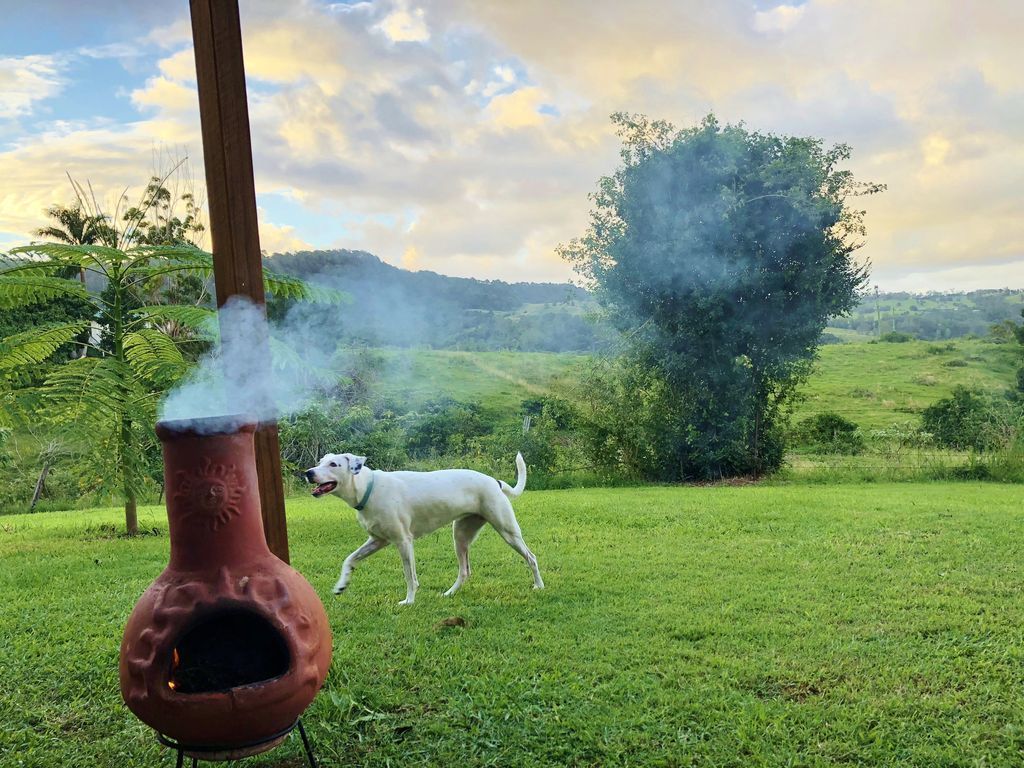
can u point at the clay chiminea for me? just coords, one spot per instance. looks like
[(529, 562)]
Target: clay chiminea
[(229, 645)]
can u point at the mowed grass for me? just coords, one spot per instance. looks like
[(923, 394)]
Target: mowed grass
[(725, 626)]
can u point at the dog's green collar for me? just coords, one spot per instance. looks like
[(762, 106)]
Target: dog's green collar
[(366, 496)]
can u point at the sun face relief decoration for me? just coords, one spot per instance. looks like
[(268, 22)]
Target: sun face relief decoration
[(211, 492)]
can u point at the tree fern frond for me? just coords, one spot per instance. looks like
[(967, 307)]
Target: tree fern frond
[(90, 390), (25, 289), (288, 287), (76, 254), (35, 345), (181, 254), (154, 356), (201, 319)]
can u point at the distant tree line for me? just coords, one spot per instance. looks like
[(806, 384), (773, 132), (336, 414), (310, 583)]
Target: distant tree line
[(932, 316), (396, 307)]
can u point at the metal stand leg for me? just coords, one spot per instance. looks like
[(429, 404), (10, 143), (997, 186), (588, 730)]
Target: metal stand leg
[(305, 743), (195, 762), (181, 759)]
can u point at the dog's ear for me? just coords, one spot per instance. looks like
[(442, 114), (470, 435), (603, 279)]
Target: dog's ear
[(357, 464)]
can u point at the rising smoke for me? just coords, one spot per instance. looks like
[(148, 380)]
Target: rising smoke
[(237, 377)]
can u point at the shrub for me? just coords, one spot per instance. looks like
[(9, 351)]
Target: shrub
[(632, 421), (896, 337), (831, 433), (956, 362), (443, 427), (970, 420), (329, 426), (903, 435)]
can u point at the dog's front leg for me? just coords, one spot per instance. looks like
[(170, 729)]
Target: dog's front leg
[(372, 545), (405, 551)]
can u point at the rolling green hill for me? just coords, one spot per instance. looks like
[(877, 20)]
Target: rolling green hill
[(500, 381), (873, 384), (878, 384)]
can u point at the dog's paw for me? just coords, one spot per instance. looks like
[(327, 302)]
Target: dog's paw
[(338, 590), (407, 601)]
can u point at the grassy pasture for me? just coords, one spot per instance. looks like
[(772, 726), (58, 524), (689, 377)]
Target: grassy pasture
[(499, 380), (724, 626), (877, 385)]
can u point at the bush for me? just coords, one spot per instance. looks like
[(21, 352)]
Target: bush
[(895, 337), (831, 433), (444, 427), (969, 420), (329, 426), (633, 422)]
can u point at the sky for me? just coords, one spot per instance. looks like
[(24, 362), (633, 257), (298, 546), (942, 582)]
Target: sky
[(464, 136)]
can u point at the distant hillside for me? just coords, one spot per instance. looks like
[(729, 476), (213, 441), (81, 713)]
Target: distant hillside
[(396, 307), (931, 316)]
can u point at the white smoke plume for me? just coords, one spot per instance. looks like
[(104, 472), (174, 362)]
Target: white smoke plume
[(236, 378)]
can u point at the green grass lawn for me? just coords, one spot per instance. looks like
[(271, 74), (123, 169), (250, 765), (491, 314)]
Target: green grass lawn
[(859, 624)]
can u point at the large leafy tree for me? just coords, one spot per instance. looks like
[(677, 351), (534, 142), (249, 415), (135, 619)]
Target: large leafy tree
[(112, 393), (722, 252)]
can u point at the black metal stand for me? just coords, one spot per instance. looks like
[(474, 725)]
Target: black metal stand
[(196, 751)]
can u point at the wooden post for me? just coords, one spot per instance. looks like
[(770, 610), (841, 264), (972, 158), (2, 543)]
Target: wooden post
[(231, 192)]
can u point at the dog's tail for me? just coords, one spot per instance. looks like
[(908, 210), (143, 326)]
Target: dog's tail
[(520, 486)]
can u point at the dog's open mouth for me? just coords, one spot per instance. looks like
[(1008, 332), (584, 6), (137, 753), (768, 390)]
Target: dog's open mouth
[(323, 488)]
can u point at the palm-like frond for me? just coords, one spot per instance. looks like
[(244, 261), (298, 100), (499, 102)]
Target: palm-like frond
[(200, 319), (153, 356), (283, 357), (288, 287), (25, 288), (169, 258), (102, 256), (91, 390), (76, 226), (36, 345)]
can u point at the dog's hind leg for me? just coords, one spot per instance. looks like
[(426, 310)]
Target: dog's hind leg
[(372, 545), (464, 530), (509, 531), (405, 551)]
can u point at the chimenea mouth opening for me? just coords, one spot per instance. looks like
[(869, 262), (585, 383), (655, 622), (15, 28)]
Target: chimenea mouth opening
[(229, 649)]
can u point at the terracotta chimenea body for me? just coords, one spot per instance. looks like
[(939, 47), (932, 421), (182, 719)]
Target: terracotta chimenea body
[(229, 645)]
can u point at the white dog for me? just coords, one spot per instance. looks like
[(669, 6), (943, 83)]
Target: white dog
[(397, 507)]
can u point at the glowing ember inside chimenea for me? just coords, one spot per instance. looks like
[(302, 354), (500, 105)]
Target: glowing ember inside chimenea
[(230, 649)]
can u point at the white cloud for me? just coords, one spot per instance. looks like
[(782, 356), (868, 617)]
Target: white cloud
[(403, 25), (26, 80), (276, 238), (494, 127), (967, 278), (778, 19)]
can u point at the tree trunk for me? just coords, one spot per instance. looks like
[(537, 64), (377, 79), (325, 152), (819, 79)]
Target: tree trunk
[(131, 515), (131, 518), (40, 485)]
